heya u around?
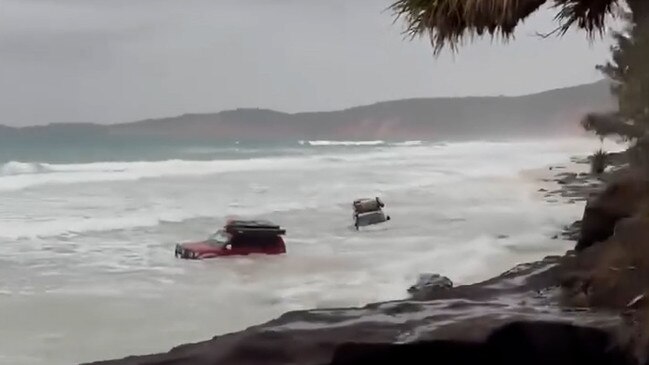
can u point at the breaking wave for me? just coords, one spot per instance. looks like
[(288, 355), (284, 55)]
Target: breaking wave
[(408, 143), (343, 143), (22, 168), (17, 175), (325, 143)]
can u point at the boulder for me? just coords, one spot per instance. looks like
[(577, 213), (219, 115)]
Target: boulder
[(566, 178), (572, 232), (622, 198), (428, 283)]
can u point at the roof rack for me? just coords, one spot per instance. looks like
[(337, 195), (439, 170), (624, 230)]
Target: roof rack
[(259, 227), (251, 224)]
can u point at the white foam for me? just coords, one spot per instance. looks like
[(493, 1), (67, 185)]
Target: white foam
[(27, 175), (312, 184), (345, 143), (75, 225), (21, 168), (408, 143), (18, 175)]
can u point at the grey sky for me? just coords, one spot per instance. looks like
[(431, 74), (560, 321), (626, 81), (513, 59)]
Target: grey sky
[(121, 60)]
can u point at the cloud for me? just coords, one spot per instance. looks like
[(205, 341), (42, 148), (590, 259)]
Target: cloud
[(121, 60)]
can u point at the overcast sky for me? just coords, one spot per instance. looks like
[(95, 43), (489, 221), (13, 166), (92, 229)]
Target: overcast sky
[(109, 61)]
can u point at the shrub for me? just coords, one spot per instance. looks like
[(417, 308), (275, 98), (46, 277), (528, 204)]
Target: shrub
[(598, 162)]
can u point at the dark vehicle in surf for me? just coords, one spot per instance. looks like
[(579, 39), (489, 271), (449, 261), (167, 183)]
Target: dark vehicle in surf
[(369, 212), (236, 238)]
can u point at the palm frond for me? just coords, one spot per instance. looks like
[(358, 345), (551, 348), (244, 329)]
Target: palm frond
[(589, 15), (448, 22)]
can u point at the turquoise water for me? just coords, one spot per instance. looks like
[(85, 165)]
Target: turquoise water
[(136, 150), (66, 151)]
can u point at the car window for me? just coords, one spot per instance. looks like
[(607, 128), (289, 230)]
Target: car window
[(252, 241), (219, 238)]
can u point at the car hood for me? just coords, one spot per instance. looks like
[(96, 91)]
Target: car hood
[(199, 247)]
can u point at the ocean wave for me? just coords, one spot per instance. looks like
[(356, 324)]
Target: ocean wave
[(326, 143), (203, 150), (22, 168), (73, 226), (408, 143), (343, 143), (18, 175)]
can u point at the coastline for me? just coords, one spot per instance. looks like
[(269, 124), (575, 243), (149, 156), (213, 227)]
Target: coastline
[(567, 183), (527, 292)]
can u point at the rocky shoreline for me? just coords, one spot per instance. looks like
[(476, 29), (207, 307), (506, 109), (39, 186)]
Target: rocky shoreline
[(468, 313), (550, 311)]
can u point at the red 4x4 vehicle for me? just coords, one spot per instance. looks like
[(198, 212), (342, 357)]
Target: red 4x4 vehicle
[(238, 237)]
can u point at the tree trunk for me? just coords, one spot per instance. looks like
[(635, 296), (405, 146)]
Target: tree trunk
[(635, 97)]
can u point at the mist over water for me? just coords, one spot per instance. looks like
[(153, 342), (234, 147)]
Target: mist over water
[(87, 269)]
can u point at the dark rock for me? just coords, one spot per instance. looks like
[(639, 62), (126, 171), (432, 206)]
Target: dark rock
[(516, 343), (566, 178), (467, 313), (429, 283), (572, 232), (542, 190), (621, 199), (444, 351), (567, 175), (634, 335)]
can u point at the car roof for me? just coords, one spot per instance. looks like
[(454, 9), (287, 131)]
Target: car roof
[(257, 223), (255, 227)]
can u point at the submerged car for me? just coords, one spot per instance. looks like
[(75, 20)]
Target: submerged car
[(368, 212), (237, 237)]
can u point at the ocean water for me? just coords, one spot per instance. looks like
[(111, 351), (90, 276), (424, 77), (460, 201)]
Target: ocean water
[(87, 270)]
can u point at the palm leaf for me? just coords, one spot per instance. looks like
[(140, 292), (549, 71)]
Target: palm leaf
[(448, 22)]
